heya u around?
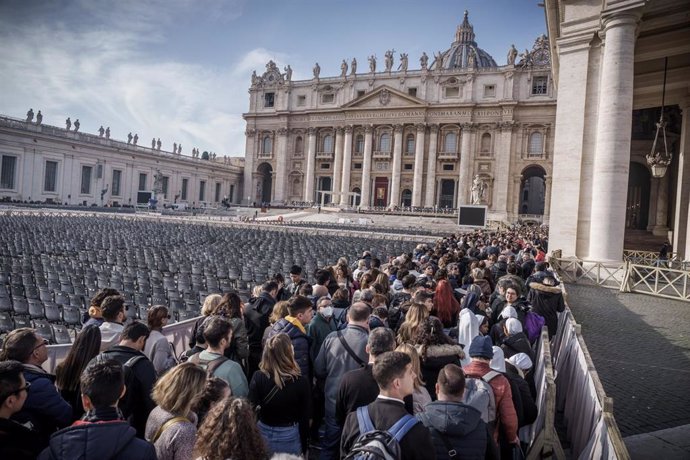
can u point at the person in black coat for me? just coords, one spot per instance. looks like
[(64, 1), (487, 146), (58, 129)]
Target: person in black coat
[(547, 301), (256, 314), (455, 424), (294, 325), (394, 375), (102, 433), (16, 440), (515, 340)]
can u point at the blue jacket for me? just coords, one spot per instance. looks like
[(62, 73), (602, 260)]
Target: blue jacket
[(463, 427), (44, 407), (300, 342)]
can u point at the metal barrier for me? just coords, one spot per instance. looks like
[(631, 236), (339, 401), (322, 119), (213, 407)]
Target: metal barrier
[(674, 259), (573, 270)]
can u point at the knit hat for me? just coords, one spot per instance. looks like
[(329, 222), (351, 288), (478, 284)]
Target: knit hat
[(481, 347)]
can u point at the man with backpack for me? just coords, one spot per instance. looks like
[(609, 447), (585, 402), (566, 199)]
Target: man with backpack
[(140, 374), (384, 428), (489, 391), (455, 425), (218, 335), (256, 314)]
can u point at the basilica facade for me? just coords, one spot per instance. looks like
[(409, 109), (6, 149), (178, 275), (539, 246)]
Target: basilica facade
[(458, 129)]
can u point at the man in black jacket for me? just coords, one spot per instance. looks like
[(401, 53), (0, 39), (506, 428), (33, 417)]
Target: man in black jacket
[(140, 375), (17, 441), (394, 375), (102, 433), (256, 315), (454, 425)]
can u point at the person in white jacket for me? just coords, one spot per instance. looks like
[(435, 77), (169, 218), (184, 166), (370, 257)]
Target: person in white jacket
[(157, 348)]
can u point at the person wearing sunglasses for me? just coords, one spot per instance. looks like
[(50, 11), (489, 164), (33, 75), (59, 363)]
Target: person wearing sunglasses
[(16, 440), (44, 408)]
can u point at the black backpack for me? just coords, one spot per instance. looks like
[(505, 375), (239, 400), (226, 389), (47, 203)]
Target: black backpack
[(373, 444), (130, 377)]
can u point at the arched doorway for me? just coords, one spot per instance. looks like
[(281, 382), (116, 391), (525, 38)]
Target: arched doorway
[(406, 198), (381, 191), (324, 185), (357, 199), (265, 183), (637, 207), (532, 191)]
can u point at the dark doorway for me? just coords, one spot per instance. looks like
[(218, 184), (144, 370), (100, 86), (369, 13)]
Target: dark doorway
[(637, 207), (381, 191), (264, 185), (324, 185), (357, 199), (407, 198), (533, 190), (447, 193)]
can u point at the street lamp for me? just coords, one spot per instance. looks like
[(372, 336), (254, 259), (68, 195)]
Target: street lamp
[(659, 158)]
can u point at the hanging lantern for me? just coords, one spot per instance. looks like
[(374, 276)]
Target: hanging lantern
[(659, 159)]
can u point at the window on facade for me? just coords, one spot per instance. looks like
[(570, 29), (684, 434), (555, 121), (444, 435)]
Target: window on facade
[(325, 166), (450, 142), (299, 144), (116, 183), (218, 186), (489, 90), (359, 144), (385, 142), (361, 92), (408, 166), (231, 197), (185, 186), (142, 181), (86, 173), (301, 101), (412, 91), (50, 180), (296, 187), (452, 91), (357, 166), (202, 190), (536, 144), (266, 145), (448, 166), (269, 99), (328, 143), (486, 143), (540, 85), (409, 143), (164, 186), (327, 98), (8, 171)]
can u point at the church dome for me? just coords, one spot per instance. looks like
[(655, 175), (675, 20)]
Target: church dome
[(464, 52)]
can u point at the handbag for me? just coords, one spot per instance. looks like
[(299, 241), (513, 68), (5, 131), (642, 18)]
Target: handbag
[(265, 401)]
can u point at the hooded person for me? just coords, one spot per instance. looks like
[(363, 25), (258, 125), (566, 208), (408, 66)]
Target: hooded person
[(515, 340), (455, 425), (497, 332), (525, 406), (521, 364), (468, 329), (547, 300)]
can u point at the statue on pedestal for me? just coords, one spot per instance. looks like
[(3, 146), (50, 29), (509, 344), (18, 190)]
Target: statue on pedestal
[(101, 131), (424, 61), (388, 60), (438, 59), (153, 143), (39, 118), (353, 66), (512, 54), (372, 63), (471, 60), (30, 115), (107, 132), (255, 78), (136, 139), (68, 124), (343, 69), (478, 190), (317, 70), (158, 143), (76, 125), (174, 147), (179, 149), (288, 73), (129, 138), (403, 62)]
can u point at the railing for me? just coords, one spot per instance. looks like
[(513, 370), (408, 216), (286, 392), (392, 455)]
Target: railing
[(539, 218), (673, 260), (379, 154), (598, 273), (659, 281)]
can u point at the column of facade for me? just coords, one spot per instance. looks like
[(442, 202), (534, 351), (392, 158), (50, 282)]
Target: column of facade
[(347, 165), (337, 163), (547, 198), (681, 221), (515, 196), (250, 152), (311, 158), (397, 163), (366, 167), (612, 151), (500, 192), (466, 161), (660, 225), (418, 178), (281, 156), (430, 198)]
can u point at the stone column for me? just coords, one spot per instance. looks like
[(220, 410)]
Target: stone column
[(661, 227), (397, 162), (311, 159), (547, 197), (612, 151), (281, 156), (653, 199), (500, 192), (430, 199), (249, 155), (337, 163), (466, 161), (418, 166), (515, 197), (681, 221), (366, 167), (347, 165)]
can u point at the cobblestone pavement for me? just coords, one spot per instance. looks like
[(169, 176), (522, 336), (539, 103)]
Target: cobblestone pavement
[(640, 346)]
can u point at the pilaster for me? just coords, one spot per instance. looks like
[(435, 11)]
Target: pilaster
[(430, 200), (347, 165), (418, 166), (311, 158), (365, 202), (466, 160), (397, 162), (281, 155), (337, 163)]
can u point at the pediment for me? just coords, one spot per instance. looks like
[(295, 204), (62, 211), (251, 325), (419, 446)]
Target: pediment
[(385, 97)]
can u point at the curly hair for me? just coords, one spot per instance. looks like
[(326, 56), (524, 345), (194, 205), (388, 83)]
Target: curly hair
[(430, 333), (230, 306), (230, 431)]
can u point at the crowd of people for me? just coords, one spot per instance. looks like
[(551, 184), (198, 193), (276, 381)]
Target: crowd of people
[(420, 355)]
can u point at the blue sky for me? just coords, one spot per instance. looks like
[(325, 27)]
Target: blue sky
[(180, 69)]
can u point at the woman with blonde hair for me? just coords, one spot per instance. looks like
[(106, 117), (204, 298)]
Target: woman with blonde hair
[(230, 432), (280, 311), (282, 398), (420, 396), (415, 317), (210, 304), (171, 426)]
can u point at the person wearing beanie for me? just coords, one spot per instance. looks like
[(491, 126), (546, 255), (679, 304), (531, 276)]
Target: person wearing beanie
[(481, 352)]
